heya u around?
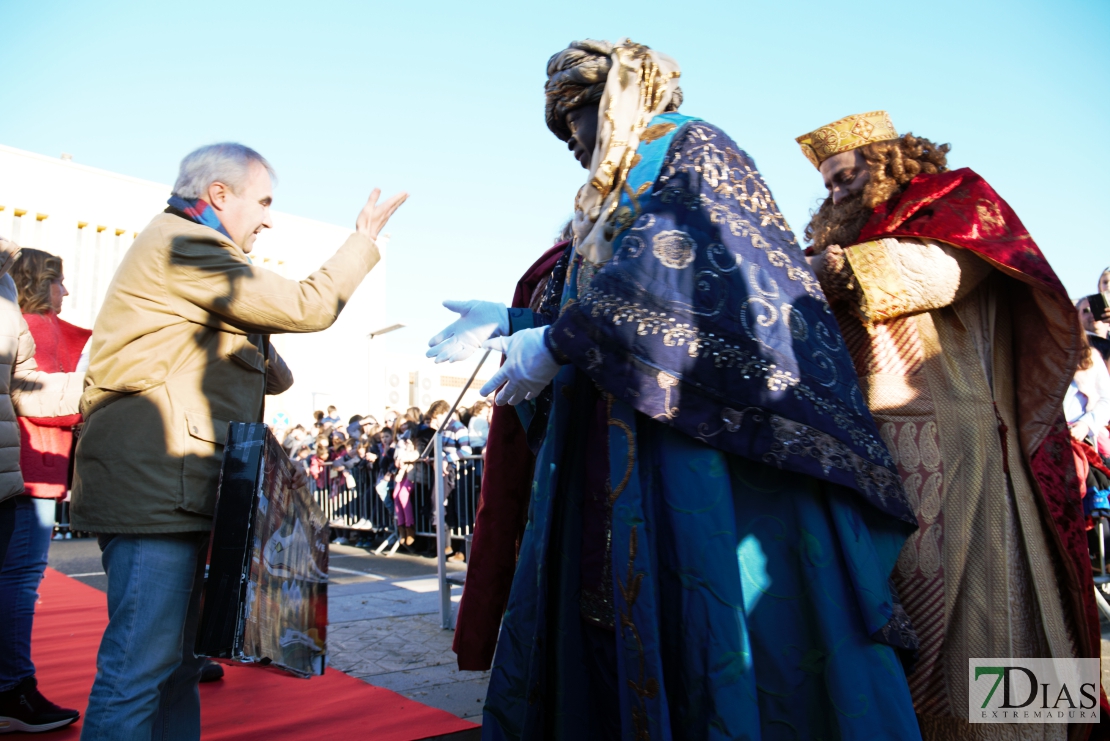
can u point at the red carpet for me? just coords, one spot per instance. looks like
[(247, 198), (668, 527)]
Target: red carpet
[(248, 703)]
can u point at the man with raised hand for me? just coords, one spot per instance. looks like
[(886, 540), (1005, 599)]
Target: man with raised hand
[(180, 349)]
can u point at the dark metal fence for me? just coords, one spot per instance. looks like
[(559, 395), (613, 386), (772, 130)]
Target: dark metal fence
[(363, 507), (358, 505), (62, 529)]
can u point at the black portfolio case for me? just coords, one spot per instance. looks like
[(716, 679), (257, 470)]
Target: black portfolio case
[(265, 599)]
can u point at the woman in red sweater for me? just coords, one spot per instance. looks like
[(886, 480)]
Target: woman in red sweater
[(44, 461), (45, 443)]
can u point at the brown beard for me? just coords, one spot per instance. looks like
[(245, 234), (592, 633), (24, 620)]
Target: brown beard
[(892, 165), (838, 223)]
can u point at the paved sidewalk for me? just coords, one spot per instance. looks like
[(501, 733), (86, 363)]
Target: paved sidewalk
[(384, 628)]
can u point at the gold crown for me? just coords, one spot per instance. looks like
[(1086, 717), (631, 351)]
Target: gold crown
[(850, 132)]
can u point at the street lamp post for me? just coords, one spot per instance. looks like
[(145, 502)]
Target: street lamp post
[(441, 535), (385, 330), (370, 397)]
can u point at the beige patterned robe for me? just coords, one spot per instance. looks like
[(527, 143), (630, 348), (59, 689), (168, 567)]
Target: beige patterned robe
[(929, 329)]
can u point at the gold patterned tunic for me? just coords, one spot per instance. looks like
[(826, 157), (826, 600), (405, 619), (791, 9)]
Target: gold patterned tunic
[(929, 329)]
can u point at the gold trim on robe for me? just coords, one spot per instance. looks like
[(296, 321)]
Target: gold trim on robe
[(977, 579)]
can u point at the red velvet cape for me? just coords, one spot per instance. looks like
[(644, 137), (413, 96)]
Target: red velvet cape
[(961, 209), (502, 511), (44, 444)]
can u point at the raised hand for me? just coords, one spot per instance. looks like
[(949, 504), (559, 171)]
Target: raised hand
[(373, 217), (478, 321)]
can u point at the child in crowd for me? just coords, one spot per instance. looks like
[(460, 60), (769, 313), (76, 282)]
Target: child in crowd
[(405, 458), (384, 447), (385, 471), (317, 464), (344, 458), (303, 456), (333, 417), (478, 426)]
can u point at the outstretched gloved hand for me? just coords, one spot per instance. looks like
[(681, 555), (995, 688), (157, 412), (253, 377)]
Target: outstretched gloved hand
[(478, 322), (529, 366)]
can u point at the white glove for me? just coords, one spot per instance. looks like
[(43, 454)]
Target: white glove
[(478, 322), (528, 369)]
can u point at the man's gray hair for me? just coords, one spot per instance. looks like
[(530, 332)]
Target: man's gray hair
[(228, 163)]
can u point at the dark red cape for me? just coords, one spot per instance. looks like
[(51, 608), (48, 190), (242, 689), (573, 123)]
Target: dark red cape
[(502, 510), (963, 210)]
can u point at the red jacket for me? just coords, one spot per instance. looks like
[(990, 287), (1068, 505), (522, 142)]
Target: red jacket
[(502, 513), (45, 444)]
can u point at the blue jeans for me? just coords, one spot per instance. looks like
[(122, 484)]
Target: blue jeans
[(146, 674), (19, 582)]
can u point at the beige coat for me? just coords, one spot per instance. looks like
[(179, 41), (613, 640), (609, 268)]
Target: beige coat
[(176, 356), (24, 389)]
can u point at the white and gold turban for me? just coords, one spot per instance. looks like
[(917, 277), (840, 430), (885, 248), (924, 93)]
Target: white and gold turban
[(639, 84)]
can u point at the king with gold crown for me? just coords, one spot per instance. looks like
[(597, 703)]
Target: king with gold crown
[(965, 343)]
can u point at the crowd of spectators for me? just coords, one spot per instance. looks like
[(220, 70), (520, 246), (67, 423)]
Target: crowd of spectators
[(385, 456), (1087, 404)]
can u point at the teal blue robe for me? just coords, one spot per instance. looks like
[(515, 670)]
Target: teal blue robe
[(756, 515)]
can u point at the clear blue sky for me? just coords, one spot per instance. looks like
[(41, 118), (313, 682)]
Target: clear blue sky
[(445, 100)]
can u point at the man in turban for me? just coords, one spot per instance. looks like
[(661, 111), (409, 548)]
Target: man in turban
[(965, 343), (713, 516)]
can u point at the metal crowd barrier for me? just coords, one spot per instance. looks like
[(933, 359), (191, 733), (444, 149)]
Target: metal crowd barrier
[(362, 508), (451, 500)]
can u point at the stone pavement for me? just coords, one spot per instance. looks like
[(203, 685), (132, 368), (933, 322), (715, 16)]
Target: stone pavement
[(384, 628)]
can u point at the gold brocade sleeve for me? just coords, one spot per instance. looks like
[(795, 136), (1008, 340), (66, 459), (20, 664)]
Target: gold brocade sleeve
[(882, 292)]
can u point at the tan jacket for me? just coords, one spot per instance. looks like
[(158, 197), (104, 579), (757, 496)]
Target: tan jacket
[(24, 389), (176, 356)]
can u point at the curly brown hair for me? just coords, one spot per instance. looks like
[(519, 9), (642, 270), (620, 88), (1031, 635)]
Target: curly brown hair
[(33, 272), (892, 165), (437, 408)]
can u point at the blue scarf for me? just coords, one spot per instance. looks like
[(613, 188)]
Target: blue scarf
[(199, 211)]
